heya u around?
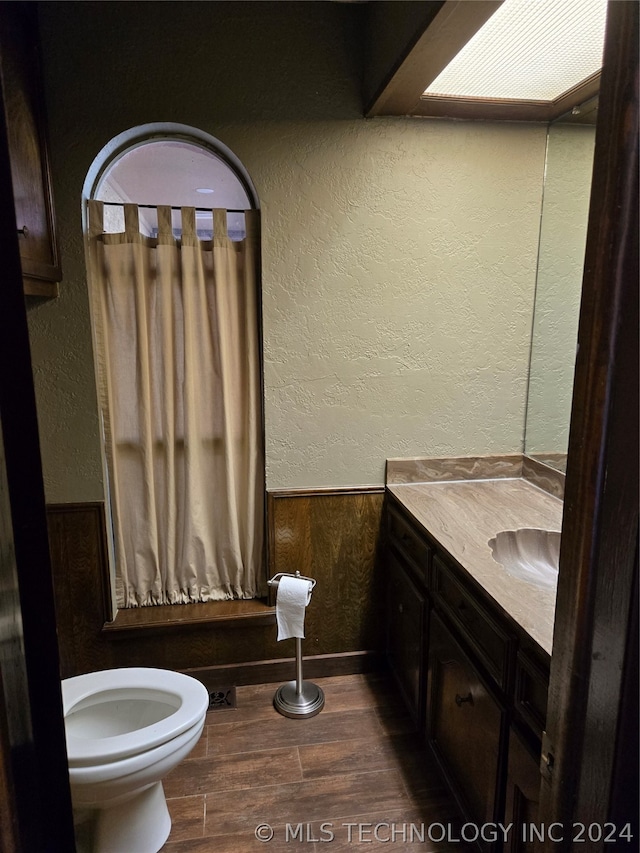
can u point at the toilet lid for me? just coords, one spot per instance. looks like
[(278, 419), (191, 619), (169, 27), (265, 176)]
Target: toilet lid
[(117, 713)]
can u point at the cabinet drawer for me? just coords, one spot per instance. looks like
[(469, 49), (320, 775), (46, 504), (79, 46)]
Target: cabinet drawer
[(487, 639), (409, 543), (531, 692), (464, 724)]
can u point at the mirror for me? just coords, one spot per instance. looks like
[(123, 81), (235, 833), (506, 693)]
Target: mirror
[(563, 233)]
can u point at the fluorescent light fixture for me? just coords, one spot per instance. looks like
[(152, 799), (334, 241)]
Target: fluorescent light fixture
[(205, 190), (529, 50)]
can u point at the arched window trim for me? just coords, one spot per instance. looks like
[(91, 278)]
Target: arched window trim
[(140, 135)]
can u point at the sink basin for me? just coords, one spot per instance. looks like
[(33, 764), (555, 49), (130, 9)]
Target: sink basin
[(530, 554)]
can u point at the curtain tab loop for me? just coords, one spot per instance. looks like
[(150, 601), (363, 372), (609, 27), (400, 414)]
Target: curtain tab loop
[(131, 220), (219, 224), (189, 224), (252, 224), (96, 217), (165, 225)]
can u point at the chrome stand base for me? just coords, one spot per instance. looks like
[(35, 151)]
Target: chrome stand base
[(306, 703)]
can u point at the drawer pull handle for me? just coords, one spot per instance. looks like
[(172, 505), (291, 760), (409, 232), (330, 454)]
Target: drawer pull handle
[(24, 231), (461, 699)]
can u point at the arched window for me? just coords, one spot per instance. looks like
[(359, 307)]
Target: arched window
[(173, 235), (178, 172)]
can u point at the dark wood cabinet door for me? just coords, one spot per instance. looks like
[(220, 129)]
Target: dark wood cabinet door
[(523, 790), (463, 725), (24, 109), (406, 615)]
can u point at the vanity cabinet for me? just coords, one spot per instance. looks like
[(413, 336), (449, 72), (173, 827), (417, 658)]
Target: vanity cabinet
[(28, 152), (473, 680)]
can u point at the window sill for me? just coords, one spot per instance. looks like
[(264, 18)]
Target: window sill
[(215, 614)]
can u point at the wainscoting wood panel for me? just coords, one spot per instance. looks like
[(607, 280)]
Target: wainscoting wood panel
[(332, 535), (77, 542)]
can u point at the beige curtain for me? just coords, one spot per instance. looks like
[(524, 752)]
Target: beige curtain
[(176, 338)]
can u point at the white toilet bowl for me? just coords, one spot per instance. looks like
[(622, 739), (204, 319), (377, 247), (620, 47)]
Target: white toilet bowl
[(126, 729)]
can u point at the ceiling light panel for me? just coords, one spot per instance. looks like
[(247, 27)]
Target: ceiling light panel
[(532, 50)]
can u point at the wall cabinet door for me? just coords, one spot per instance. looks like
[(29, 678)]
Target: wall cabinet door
[(463, 725), (24, 107), (406, 615)]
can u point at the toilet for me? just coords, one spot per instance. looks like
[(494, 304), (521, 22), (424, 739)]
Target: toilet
[(125, 730)]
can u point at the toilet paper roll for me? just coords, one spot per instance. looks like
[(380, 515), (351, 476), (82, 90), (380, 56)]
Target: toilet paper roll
[(293, 596)]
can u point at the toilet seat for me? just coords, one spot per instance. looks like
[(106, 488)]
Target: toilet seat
[(185, 694)]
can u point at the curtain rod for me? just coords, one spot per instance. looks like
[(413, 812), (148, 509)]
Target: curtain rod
[(172, 206)]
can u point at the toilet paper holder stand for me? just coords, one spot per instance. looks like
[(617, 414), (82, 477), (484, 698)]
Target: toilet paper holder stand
[(299, 698)]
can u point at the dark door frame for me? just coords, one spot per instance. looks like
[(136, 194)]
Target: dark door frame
[(589, 767), (34, 782)]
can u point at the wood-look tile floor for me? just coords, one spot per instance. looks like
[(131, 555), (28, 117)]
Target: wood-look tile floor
[(356, 775)]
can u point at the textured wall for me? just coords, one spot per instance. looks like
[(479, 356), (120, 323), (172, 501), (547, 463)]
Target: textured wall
[(398, 255), (563, 235), (397, 319)]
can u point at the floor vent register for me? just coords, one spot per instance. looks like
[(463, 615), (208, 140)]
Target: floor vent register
[(222, 697)]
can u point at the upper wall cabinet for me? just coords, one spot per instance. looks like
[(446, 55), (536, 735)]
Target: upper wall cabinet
[(24, 107)]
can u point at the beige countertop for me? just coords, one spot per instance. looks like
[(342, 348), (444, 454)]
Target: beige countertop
[(463, 515)]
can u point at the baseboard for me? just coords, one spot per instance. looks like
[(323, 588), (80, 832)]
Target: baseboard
[(284, 669)]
